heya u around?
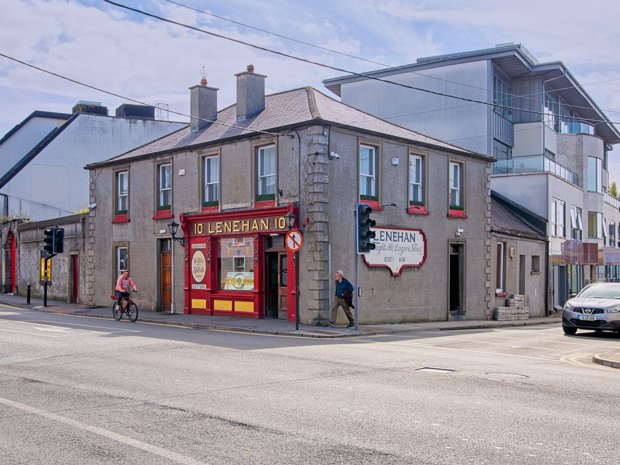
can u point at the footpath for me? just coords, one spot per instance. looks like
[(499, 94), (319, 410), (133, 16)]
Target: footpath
[(283, 327)]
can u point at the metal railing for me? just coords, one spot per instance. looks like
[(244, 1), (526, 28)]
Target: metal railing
[(535, 164), (611, 200)]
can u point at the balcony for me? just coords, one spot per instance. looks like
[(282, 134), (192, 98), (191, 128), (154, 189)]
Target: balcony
[(576, 127), (611, 200), (535, 164)]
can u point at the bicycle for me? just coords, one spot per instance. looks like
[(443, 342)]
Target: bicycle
[(127, 307)]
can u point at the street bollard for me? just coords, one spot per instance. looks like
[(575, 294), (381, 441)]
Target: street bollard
[(28, 295)]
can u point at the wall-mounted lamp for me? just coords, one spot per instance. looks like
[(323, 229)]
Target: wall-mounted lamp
[(459, 232), (290, 219), (172, 229)]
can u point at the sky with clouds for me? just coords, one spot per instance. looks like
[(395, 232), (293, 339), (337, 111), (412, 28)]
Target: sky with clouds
[(156, 62)]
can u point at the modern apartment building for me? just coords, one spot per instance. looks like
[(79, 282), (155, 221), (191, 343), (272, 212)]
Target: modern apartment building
[(549, 139)]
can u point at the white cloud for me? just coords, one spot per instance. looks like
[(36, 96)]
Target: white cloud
[(156, 62)]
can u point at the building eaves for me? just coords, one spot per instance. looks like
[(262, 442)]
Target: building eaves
[(519, 58), (52, 135), (34, 114)]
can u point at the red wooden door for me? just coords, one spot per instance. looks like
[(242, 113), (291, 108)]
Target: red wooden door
[(75, 267), (166, 281)]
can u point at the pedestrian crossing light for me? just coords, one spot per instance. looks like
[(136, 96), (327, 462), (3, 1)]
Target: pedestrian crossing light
[(48, 240), (364, 233)]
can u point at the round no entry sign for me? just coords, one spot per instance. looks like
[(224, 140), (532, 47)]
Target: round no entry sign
[(294, 239)]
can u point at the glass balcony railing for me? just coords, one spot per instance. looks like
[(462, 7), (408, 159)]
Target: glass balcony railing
[(535, 164), (611, 200), (576, 127)]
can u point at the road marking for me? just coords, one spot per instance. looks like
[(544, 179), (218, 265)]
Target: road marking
[(120, 438), (571, 359)]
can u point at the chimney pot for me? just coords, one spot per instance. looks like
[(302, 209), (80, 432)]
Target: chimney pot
[(250, 68), (203, 82)]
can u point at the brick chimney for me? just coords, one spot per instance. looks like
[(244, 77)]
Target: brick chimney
[(250, 93), (203, 104)]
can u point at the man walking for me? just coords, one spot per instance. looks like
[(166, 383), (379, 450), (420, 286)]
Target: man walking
[(344, 294)]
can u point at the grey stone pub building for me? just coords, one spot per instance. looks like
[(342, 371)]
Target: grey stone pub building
[(238, 179)]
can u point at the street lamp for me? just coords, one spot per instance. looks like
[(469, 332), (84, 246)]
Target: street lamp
[(172, 229)]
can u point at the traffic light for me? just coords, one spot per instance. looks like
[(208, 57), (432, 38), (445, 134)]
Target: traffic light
[(48, 240), (364, 234), (59, 240)]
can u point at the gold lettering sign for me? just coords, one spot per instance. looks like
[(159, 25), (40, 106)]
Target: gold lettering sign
[(250, 225)]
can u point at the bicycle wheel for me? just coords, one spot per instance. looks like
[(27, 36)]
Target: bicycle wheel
[(132, 311), (116, 311)]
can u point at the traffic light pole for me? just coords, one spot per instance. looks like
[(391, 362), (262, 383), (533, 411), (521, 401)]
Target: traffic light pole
[(45, 281), (355, 297)]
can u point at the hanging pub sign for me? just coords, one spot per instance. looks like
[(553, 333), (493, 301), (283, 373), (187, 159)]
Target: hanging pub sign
[(397, 248)]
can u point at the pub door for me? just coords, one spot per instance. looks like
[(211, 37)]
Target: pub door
[(276, 281)]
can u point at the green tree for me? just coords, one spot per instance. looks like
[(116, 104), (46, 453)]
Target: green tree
[(613, 189)]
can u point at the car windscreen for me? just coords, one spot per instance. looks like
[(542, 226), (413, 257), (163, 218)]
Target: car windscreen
[(601, 292)]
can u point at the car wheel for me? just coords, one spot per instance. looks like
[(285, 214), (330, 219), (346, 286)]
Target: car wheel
[(569, 330)]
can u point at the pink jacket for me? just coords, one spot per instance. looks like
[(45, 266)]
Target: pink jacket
[(123, 284)]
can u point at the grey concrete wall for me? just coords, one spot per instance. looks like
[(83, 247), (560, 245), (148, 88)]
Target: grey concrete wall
[(30, 243), (534, 281), (21, 142), (59, 168), (455, 121)]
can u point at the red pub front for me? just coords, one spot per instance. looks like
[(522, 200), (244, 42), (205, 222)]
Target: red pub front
[(236, 263)]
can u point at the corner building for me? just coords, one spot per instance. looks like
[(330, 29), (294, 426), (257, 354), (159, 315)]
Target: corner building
[(237, 180)]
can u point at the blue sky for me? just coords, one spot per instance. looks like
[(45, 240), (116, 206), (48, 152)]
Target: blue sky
[(155, 62)]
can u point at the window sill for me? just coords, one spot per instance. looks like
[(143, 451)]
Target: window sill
[(210, 209), (457, 214), (535, 273), (163, 214), (121, 218), (374, 204), (265, 203), (418, 210), (501, 294)]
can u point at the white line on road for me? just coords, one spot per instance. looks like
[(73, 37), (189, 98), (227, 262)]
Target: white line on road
[(121, 438)]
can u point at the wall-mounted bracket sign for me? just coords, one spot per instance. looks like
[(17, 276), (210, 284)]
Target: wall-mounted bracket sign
[(397, 248)]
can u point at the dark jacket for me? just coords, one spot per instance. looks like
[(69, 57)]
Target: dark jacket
[(342, 286)]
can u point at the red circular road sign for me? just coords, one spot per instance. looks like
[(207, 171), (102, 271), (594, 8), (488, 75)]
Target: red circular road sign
[(294, 239)]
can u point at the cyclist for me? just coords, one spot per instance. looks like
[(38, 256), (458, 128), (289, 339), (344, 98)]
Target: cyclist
[(123, 284)]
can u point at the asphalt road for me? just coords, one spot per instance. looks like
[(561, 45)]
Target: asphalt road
[(85, 391)]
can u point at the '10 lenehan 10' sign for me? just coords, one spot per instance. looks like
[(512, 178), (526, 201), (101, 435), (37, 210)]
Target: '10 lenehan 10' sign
[(397, 248)]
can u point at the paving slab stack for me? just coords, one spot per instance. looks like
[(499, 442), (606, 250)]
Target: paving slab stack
[(515, 309)]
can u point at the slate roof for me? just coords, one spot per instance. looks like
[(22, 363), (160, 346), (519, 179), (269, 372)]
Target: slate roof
[(512, 219), (282, 111)]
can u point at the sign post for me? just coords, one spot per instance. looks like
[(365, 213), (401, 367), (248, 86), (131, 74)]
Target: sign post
[(293, 241)]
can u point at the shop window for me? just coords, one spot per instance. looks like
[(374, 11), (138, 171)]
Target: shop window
[(211, 181), (121, 196), (236, 264), (266, 173), (417, 185), (500, 271), (368, 173)]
